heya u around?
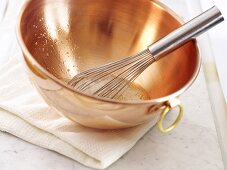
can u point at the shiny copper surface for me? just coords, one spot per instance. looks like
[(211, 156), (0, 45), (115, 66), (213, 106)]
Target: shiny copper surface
[(60, 38)]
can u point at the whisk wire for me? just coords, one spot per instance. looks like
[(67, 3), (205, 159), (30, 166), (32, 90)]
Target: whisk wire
[(99, 76), (116, 86), (106, 67), (121, 74)]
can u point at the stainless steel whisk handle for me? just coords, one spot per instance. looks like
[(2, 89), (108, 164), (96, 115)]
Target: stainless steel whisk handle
[(188, 31)]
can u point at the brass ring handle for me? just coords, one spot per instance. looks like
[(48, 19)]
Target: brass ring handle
[(163, 115)]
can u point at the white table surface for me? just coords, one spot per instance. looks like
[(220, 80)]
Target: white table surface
[(192, 145)]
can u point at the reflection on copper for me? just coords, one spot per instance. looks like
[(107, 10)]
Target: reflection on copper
[(55, 16), (50, 22)]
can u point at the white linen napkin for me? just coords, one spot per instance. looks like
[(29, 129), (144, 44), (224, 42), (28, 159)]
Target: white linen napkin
[(24, 114)]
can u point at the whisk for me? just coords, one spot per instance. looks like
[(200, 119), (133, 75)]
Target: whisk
[(118, 75)]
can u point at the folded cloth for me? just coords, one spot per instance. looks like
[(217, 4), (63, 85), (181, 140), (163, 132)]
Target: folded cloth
[(24, 114)]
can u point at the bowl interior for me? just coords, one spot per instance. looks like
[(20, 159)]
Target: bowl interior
[(69, 36)]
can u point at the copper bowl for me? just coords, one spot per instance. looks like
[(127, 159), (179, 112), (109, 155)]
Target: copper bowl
[(60, 38)]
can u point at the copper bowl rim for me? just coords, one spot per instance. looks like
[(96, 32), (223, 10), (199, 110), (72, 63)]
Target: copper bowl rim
[(63, 84)]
